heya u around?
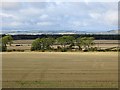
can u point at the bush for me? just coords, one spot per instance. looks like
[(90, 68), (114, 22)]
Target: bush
[(55, 50), (20, 50), (4, 48), (58, 48), (13, 50), (32, 49), (18, 45), (93, 49), (101, 50), (9, 50), (85, 50), (36, 45), (64, 50), (43, 50)]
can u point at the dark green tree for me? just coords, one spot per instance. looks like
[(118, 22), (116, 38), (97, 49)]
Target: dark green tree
[(36, 45), (4, 41), (42, 44), (3, 47), (7, 40)]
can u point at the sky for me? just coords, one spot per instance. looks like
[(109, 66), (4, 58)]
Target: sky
[(80, 16)]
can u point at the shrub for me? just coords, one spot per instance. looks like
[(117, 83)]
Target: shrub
[(4, 48), (43, 50), (64, 50), (93, 49), (85, 50), (9, 50), (17, 45)]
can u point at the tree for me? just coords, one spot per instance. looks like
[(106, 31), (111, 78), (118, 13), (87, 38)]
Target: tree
[(85, 42), (65, 40), (47, 43), (89, 42), (36, 45), (79, 43), (4, 41), (2, 46), (42, 44), (7, 40)]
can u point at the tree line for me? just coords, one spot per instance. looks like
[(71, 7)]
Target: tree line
[(63, 43), (96, 36)]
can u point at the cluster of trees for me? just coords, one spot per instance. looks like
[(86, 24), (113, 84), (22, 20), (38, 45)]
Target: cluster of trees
[(65, 42), (42, 44), (4, 41)]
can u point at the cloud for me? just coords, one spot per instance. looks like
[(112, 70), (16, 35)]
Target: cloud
[(44, 16), (4, 15), (31, 11), (111, 17), (44, 23), (59, 15), (95, 15), (14, 24), (10, 5)]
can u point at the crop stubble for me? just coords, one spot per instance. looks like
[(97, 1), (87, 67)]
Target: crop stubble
[(60, 69)]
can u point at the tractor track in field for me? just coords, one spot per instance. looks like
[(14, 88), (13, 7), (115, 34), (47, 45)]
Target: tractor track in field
[(60, 70), (42, 73)]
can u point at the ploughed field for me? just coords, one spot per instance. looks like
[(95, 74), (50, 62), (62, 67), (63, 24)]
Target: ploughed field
[(59, 69)]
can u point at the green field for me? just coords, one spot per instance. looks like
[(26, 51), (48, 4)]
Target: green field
[(60, 69)]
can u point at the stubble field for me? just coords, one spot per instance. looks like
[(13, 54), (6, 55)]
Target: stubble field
[(60, 69)]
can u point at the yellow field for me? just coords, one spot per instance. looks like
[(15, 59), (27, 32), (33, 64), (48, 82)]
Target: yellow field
[(60, 69)]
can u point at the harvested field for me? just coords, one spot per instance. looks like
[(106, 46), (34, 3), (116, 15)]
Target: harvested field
[(60, 69), (96, 41)]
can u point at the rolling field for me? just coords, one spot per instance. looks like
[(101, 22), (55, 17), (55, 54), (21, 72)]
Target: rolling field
[(60, 69)]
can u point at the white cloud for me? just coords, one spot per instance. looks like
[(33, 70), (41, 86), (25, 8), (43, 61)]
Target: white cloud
[(44, 23), (12, 24), (60, 15), (10, 5), (76, 23), (60, 0), (31, 11), (44, 16), (95, 15), (4, 15), (15, 24), (111, 17)]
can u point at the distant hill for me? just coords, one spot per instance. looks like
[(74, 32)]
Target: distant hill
[(108, 32), (114, 31), (39, 32)]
